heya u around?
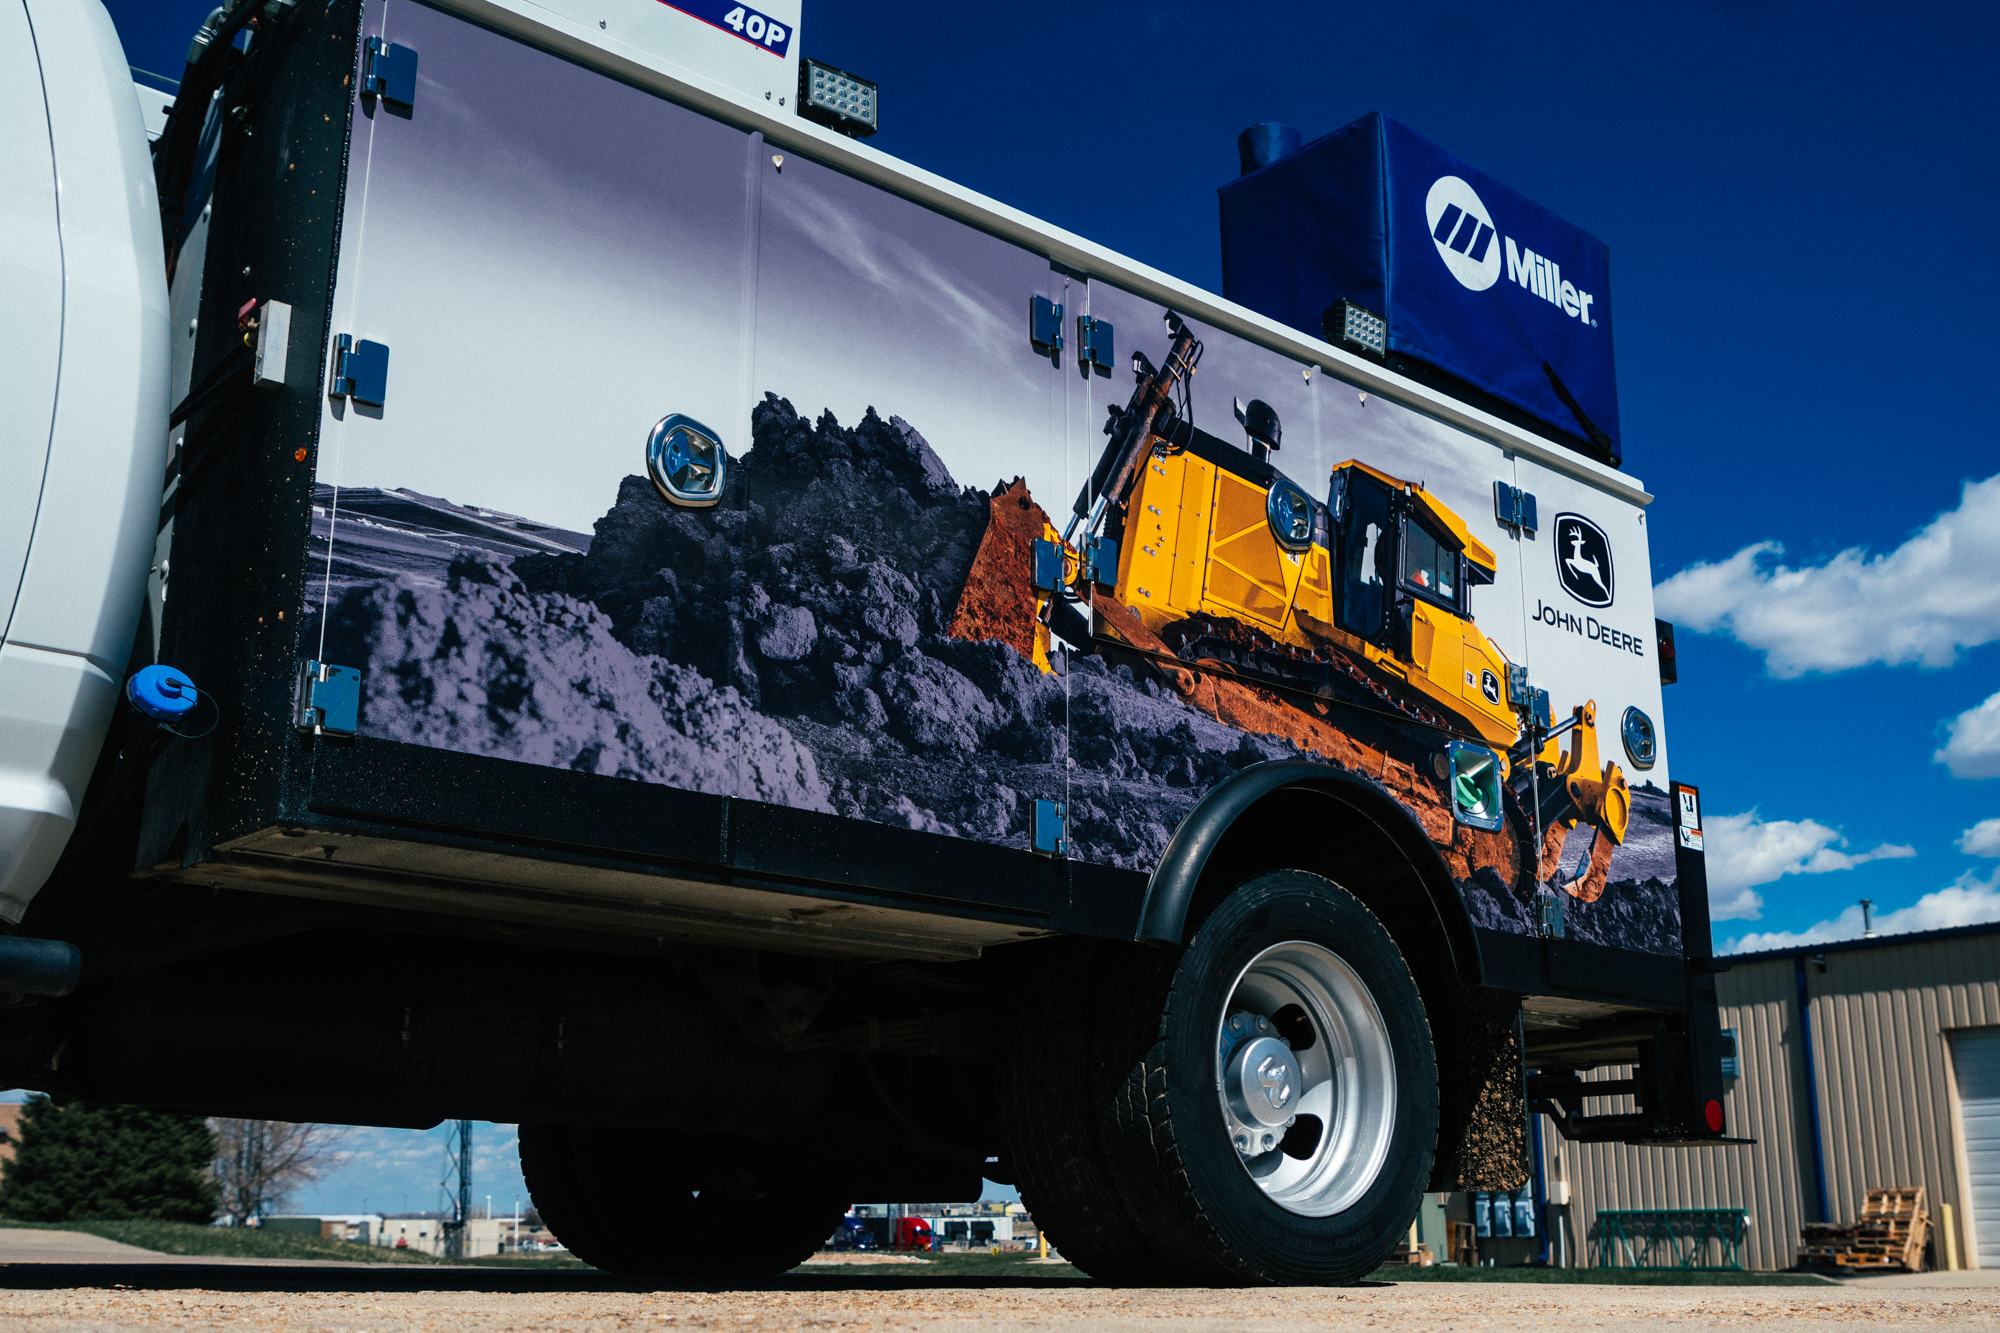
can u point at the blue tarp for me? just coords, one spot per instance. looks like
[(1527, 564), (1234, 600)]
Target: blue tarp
[(1473, 279)]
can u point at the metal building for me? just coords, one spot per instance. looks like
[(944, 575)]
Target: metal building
[(1892, 1079)]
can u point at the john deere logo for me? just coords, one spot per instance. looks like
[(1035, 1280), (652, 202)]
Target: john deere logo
[(1583, 560), (1464, 233), (1489, 685)]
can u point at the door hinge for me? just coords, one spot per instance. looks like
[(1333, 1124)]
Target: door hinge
[(1524, 697), (360, 370), (329, 699), (1045, 327), (1048, 829), (1555, 919), (1514, 507), (1095, 343), (390, 72)]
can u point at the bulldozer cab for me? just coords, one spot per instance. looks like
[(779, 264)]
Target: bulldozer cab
[(1396, 550), (1407, 567)]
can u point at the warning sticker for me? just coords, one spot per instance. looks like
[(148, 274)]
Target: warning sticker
[(1687, 816)]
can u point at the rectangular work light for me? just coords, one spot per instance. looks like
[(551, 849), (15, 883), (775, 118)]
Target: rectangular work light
[(836, 99), (1348, 325)]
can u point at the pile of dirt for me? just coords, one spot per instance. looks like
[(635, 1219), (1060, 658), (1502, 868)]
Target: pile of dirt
[(838, 635), (1640, 907), (484, 667)]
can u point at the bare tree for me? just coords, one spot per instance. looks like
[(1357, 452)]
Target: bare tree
[(258, 1163)]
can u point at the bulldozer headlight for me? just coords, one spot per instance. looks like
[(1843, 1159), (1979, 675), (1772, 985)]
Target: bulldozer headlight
[(687, 462), (1291, 515), (1472, 778), (1642, 743)]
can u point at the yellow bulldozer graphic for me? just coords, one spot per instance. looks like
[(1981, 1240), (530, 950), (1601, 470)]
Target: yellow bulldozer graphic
[(1364, 598)]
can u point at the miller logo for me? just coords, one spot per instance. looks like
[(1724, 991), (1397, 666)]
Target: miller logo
[(1583, 560), (1464, 233), (1469, 243)]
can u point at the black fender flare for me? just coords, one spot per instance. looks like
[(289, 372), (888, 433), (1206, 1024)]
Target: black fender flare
[(1171, 892)]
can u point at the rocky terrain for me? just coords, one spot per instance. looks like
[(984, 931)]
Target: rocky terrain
[(832, 636)]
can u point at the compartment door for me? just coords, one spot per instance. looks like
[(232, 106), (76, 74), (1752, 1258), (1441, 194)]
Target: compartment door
[(1587, 576), (552, 262), (910, 446), (1194, 546)]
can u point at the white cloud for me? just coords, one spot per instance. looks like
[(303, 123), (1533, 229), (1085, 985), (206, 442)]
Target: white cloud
[(402, 1170), (1970, 901), (1982, 839), (1922, 602), (1744, 851), (1973, 749)]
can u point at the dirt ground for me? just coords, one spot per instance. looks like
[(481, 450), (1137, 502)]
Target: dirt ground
[(73, 1285)]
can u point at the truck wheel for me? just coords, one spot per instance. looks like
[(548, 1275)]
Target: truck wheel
[(618, 1203), (1279, 1107)]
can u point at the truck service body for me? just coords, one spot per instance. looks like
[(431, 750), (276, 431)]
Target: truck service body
[(837, 641)]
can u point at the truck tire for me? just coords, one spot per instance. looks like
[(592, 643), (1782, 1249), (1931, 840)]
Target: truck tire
[(1055, 1089), (1278, 1110), (620, 1204)]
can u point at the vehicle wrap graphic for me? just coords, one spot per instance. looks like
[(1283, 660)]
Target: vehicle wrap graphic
[(949, 573)]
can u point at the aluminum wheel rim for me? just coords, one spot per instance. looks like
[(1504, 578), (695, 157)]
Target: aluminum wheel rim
[(1345, 1077)]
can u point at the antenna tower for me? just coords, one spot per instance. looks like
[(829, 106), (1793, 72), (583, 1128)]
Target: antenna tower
[(457, 1187)]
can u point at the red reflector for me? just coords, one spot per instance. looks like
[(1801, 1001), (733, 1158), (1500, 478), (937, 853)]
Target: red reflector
[(1715, 1116)]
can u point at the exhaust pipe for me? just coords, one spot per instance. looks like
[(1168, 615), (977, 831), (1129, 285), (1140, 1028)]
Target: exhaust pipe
[(38, 967)]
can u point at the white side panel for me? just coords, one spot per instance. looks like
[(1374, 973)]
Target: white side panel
[(53, 708), (80, 594), (1590, 618), (750, 48), (99, 504), (1588, 593), (31, 277)]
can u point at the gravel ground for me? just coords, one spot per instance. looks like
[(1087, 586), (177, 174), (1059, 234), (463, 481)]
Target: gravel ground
[(48, 1296)]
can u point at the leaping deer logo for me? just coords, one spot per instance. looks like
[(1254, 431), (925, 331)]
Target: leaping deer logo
[(1583, 559), (1585, 566)]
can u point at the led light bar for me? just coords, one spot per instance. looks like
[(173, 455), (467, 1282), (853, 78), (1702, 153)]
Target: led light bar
[(836, 99), (1346, 324)]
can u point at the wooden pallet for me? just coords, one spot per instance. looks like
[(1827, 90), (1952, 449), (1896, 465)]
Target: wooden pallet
[(1420, 1257), (1888, 1234), (1462, 1244)]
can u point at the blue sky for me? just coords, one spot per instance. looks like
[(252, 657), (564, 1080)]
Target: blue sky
[(401, 1170), (1799, 201)]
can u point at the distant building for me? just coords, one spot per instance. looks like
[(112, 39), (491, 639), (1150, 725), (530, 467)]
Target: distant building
[(1865, 1064), (484, 1236), (361, 1228)]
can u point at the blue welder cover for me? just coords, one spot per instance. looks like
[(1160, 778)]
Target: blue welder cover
[(1472, 278)]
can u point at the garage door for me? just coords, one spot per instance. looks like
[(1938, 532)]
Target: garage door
[(1976, 1058)]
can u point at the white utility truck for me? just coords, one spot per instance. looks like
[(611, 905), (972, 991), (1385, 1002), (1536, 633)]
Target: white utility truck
[(546, 580)]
